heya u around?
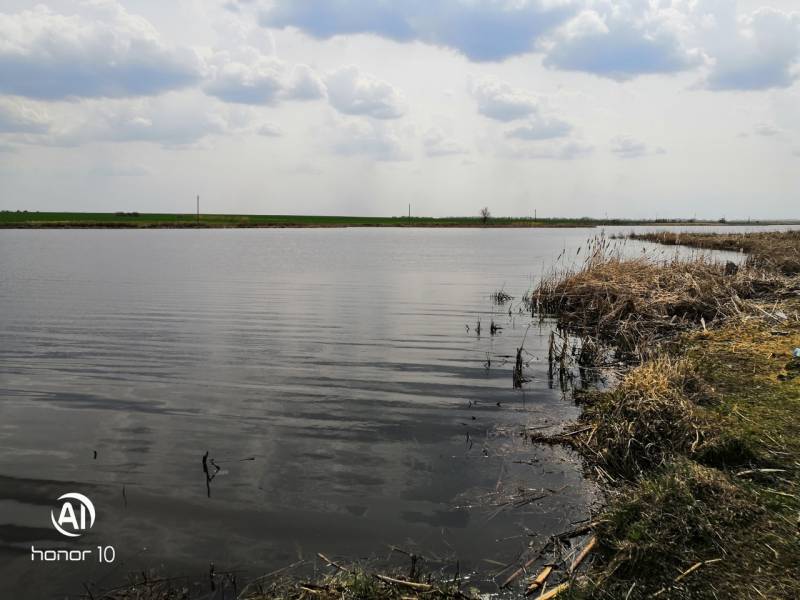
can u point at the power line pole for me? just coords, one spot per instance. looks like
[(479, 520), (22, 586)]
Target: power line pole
[(198, 208)]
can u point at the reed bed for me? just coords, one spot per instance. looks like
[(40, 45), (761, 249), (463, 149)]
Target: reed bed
[(636, 303), (654, 414), (698, 444), (774, 250)]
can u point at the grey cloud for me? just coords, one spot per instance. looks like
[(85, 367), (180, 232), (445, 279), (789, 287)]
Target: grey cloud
[(255, 81), (436, 143), (766, 130), (369, 140), (171, 122), (52, 56), (568, 150), (541, 128), (269, 130), (625, 146), (355, 93), (482, 31), (18, 117), (120, 171), (763, 54), (620, 41), (498, 100)]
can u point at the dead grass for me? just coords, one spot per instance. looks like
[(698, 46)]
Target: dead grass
[(779, 251), (654, 414), (636, 303), (700, 443)]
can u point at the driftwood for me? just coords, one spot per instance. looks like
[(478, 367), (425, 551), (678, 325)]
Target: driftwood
[(539, 580), (554, 592), (694, 567), (583, 553), (409, 584)]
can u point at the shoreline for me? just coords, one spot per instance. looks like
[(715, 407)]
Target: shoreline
[(697, 443), (48, 220)]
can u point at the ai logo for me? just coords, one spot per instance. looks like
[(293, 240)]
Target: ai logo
[(71, 520)]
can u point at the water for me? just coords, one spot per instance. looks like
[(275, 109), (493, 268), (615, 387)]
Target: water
[(334, 376)]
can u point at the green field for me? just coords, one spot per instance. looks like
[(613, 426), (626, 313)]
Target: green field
[(29, 219)]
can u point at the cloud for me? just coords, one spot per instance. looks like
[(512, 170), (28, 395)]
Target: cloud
[(566, 150), (436, 143), (355, 93), (175, 120), (248, 76), (20, 117), (255, 80), (761, 53), (621, 40), (625, 146), (369, 139), (109, 53), (120, 171), (541, 128), (498, 100), (305, 84), (269, 130), (766, 130), (490, 30)]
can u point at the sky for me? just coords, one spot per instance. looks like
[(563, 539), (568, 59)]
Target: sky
[(631, 108)]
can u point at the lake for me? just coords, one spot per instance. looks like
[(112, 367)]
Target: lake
[(333, 376)]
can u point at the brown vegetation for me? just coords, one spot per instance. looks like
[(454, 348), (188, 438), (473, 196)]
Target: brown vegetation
[(774, 250), (699, 444), (635, 303)]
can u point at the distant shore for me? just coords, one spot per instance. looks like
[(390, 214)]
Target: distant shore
[(134, 220)]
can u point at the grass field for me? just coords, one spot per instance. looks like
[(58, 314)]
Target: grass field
[(29, 219)]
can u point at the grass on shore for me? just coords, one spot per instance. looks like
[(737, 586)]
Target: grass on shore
[(635, 303), (34, 219), (699, 444), (771, 250)]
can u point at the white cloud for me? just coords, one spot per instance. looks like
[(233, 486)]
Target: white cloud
[(369, 139), (109, 53), (255, 79), (305, 84), (437, 143), (541, 128), (566, 150), (625, 146), (173, 120), (498, 100), (355, 93), (17, 116), (248, 76), (269, 130)]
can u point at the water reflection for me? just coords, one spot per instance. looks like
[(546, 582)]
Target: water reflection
[(330, 383)]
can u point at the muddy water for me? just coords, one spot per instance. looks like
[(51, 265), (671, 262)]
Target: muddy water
[(334, 377)]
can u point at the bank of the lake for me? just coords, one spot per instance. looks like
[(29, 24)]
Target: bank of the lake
[(699, 444), (121, 220)]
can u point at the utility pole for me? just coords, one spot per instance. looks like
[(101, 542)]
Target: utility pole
[(198, 208), (409, 213)]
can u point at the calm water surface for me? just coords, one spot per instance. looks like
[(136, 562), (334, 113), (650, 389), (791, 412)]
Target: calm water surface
[(334, 376)]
